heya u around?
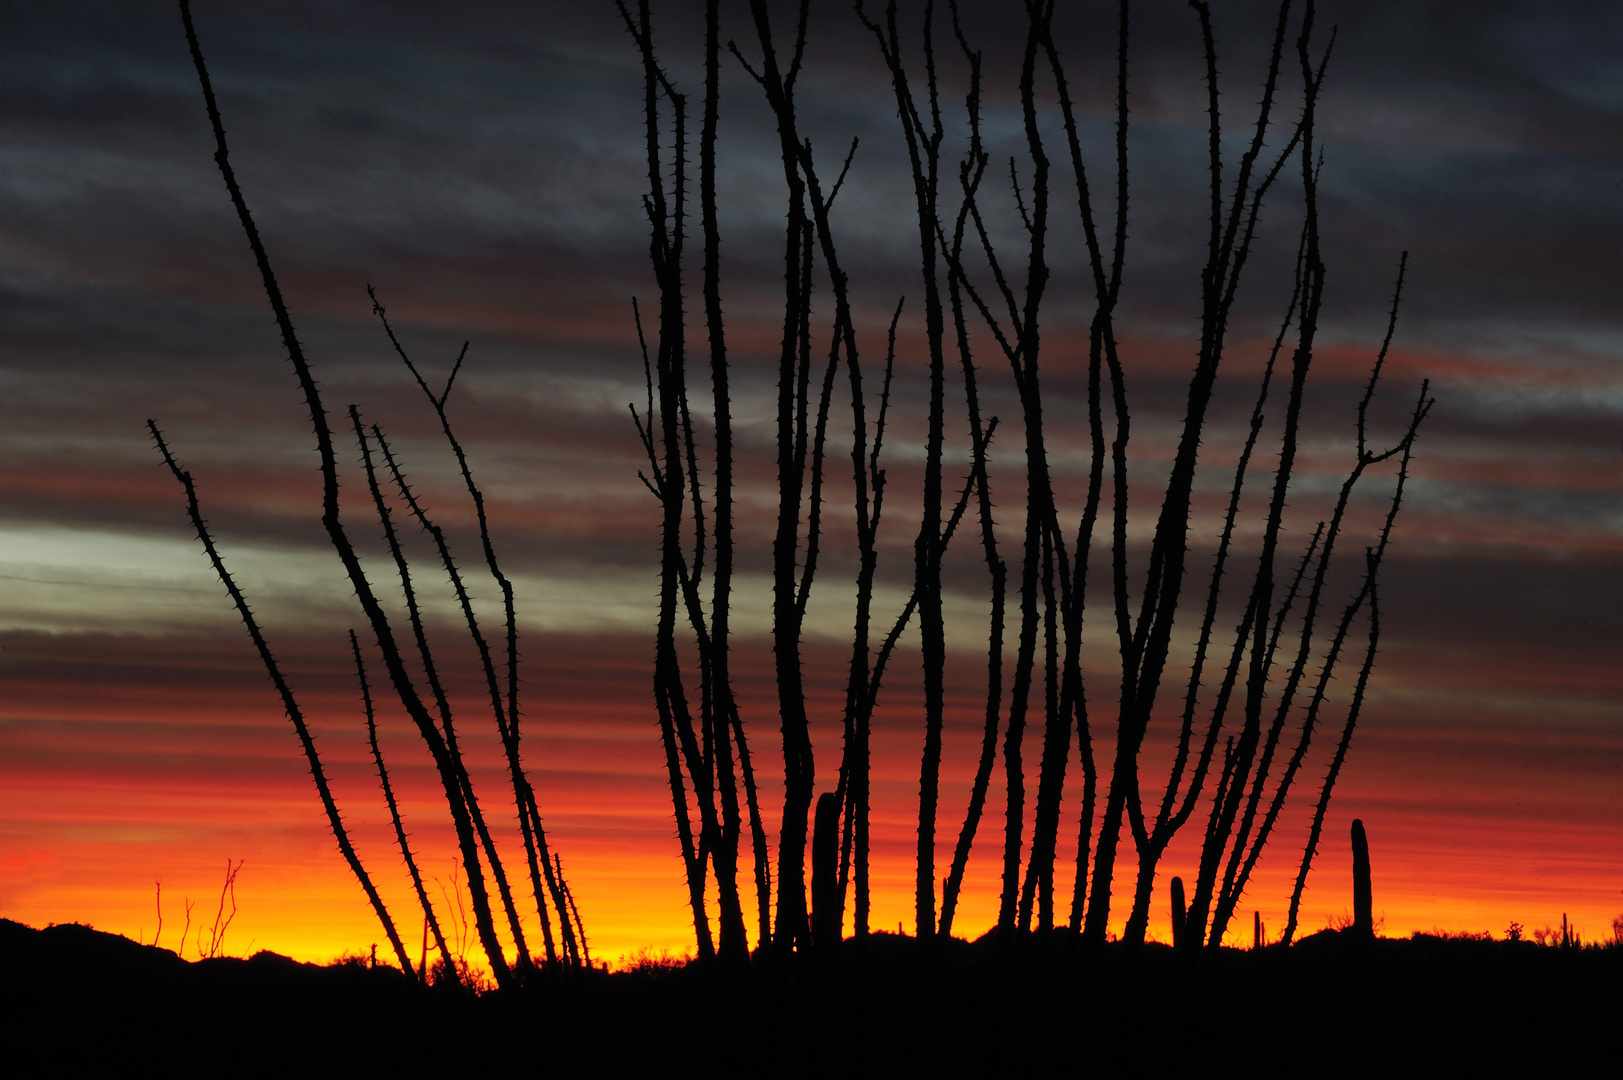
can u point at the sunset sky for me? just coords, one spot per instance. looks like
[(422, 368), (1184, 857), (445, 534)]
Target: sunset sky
[(481, 165)]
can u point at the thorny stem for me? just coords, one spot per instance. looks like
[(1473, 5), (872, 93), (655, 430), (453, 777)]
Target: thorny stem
[(394, 810), (450, 778), (289, 703)]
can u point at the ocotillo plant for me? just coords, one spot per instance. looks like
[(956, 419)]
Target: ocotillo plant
[(432, 716), (289, 703), (975, 296), (1144, 641), (699, 747), (698, 750), (431, 922)]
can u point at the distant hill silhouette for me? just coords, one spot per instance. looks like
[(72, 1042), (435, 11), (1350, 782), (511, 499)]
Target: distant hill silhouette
[(79, 1001)]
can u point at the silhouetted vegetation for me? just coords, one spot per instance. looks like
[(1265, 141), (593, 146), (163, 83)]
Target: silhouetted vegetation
[(1363, 900), (707, 752), (1046, 987), (95, 1002), (1287, 647), (431, 712)]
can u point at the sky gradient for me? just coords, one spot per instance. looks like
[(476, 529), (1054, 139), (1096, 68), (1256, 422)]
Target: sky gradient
[(480, 164)]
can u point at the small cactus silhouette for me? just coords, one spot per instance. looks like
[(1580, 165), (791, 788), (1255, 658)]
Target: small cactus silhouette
[(1363, 905), (825, 920), (1179, 913)]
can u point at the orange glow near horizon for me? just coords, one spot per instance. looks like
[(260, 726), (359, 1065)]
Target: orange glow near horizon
[(86, 838), (150, 749), (295, 896)]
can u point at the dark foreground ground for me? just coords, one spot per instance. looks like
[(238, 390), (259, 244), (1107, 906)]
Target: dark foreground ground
[(77, 1002)]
